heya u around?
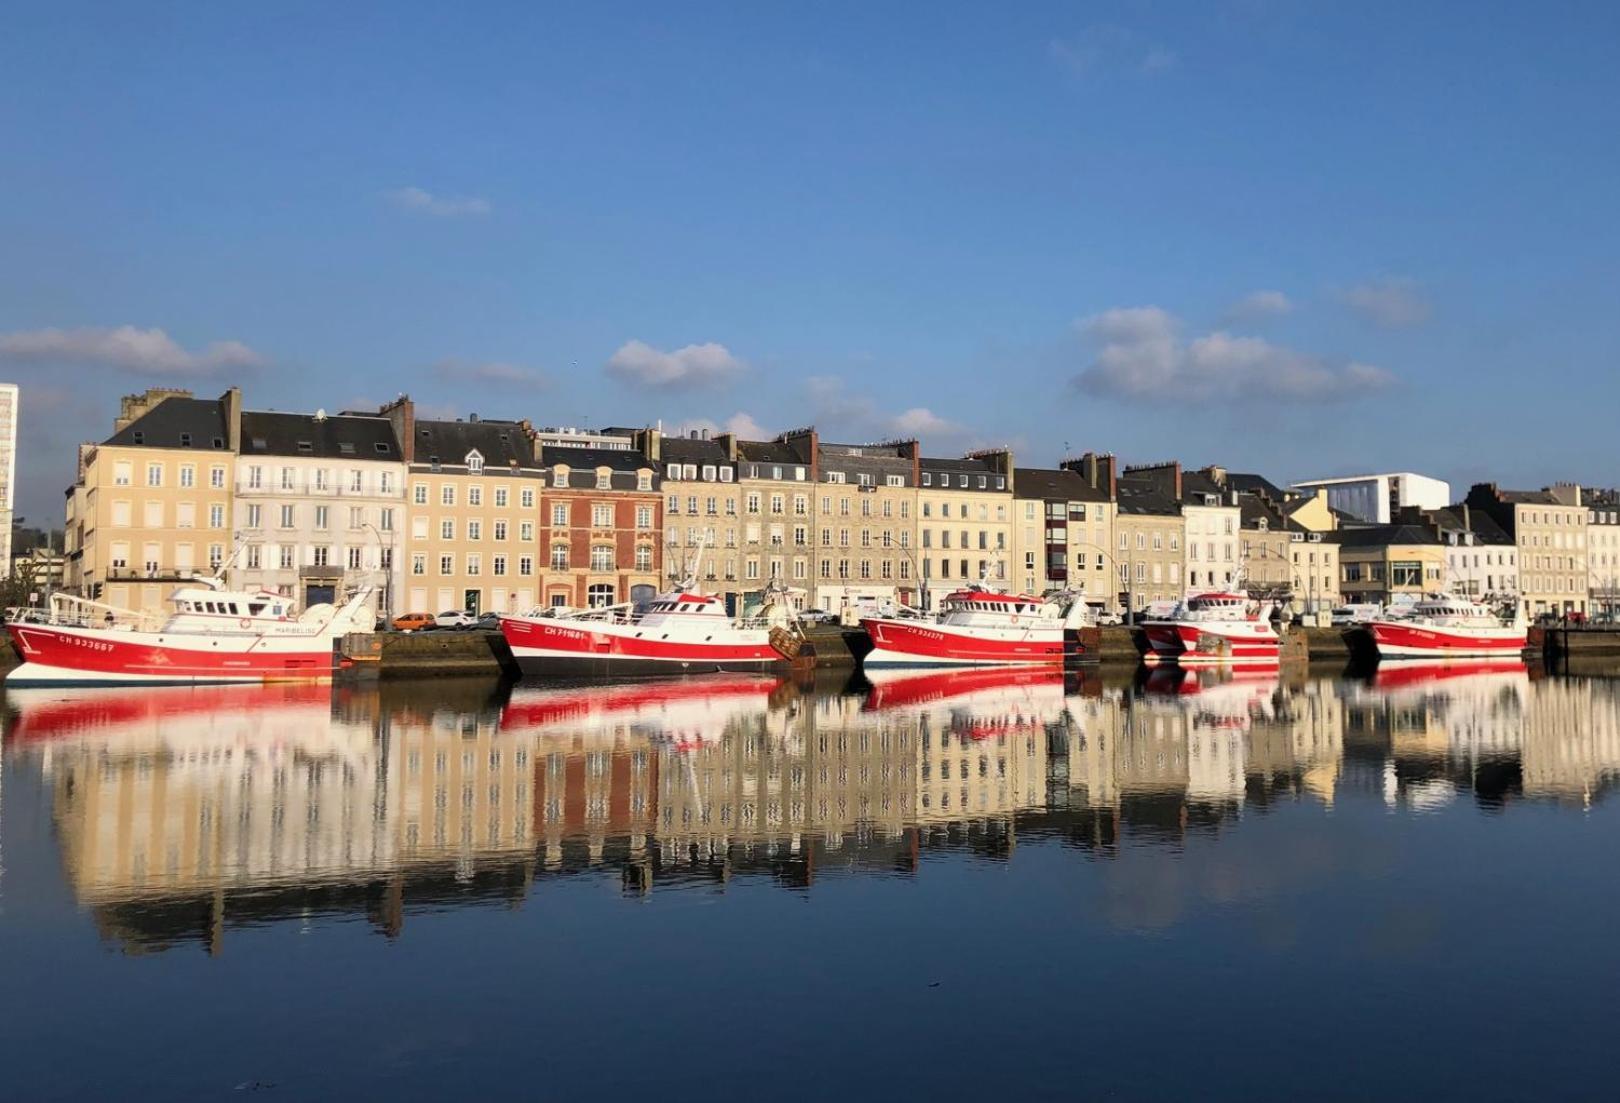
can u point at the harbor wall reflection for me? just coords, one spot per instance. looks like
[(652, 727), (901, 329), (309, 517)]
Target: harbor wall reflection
[(183, 812)]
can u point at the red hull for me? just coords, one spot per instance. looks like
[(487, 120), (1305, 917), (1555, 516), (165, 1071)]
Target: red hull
[(1193, 643), (1394, 640), (57, 656), (538, 644), (909, 643)]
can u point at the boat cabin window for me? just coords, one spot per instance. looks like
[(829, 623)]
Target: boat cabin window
[(255, 609)]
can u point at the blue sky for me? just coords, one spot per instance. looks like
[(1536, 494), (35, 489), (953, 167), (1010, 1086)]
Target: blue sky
[(1299, 238)]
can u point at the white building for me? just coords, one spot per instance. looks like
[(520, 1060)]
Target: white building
[(1376, 499), (319, 504), (8, 471)]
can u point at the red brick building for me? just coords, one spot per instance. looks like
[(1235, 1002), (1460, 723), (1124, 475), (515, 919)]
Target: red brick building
[(601, 521)]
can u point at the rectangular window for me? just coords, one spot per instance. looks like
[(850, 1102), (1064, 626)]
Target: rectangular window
[(474, 564), (526, 531), (644, 516), (188, 475), (287, 517), (321, 517), (475, 495), (419, 494), (154, 474), (497, 565), (475, 530), (285, 556), (526, 565), (526, 498), (216, 516), (447, 530), (447, 564), (418, 563), (601, 516), (559, 516), (500, 530), (447, 494), (500, 497)]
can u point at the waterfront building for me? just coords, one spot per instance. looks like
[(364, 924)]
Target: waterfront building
[(319, 506), (1391, 563), (1548, 528), (1377, 499), (8, 471), (473, 494), (603, 517), (705, 534), (778, 479), (151, 505), (864, 517), (1210, 517), (1063, 530), (1481, 560), (964, 524), (1603, 551), (1148, 532)]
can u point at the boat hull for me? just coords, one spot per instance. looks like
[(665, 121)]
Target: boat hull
[(559, 649), (57, 656), (921, 644), (1397, 640), (1191, 644)]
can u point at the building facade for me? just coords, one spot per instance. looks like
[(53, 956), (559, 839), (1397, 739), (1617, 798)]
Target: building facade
[(1063, 534), (1148, 558), (1548, 528), (1390, 564), (151, 507), (703, 523), (603, 518), (473, 495), (319, 506), (8, 471), (779, 476), (866, 499), (1378, 499), (964, 524), (1603, 551)]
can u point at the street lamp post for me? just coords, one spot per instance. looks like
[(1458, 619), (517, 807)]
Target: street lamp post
[(387, 608)]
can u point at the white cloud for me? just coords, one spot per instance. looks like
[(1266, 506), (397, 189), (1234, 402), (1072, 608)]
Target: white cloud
[(1395, 302), (689, 366), (743, 425), (1106, 47), (1259, 305), (919, 422), (442, 206), (495, 372), (1142, 356), (125, 348)]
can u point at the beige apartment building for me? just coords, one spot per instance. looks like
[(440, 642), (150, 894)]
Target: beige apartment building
[(1603, 551), (1548, 527), (320, 506), (703, 523), (473, 503), (864, 515), (1387, 564), (1063, 534), (1148, 558), (151, 506), (779, 477), (964, 523)]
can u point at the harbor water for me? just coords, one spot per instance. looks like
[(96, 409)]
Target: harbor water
[(958, 885)]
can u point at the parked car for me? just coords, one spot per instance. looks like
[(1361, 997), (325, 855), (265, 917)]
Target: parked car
[(489, 622), (1346, 615), (1109, 620), (817, 616), (412, 622), (455, 618)]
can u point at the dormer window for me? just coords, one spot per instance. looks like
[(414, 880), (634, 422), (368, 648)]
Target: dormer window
[(475, 463), (604, 479), (643, 480), (1263, 524), (185, 440), (559, 477), (305, 446)]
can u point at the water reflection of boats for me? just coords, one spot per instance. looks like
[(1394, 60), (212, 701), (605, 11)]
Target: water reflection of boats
[(167, 713), (683, 712)]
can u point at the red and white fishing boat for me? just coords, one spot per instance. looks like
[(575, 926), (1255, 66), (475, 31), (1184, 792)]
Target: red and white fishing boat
[(681, 632), (214, 635), (979, 627), (1226, 628), (1444, 626)]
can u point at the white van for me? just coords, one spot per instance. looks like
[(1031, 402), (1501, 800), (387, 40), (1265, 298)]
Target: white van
[(1355, 614)]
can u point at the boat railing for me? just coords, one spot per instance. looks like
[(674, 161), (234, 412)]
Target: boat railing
[(70, 611)]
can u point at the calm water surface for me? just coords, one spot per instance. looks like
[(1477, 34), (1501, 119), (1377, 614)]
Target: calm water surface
[(955, 886)]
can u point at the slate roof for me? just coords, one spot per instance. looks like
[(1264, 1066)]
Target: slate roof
[(178, 422), (1373, 536), (1055, 484), (1255, 484), (503, 444), (1252, 509), (687, 450), (769, 451), (1484, 526), (582, 465), (1146, 500), (267, 433)]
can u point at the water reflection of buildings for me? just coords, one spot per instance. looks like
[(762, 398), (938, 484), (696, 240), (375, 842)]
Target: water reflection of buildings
[(183, 812)]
